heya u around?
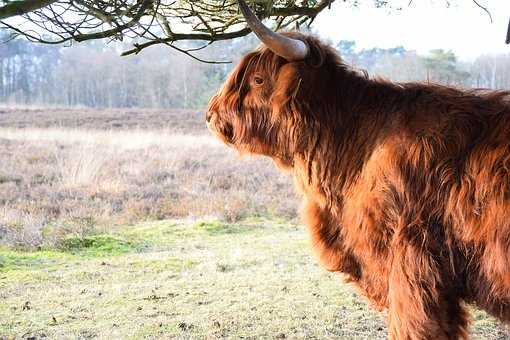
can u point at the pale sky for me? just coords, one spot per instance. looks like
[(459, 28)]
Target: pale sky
[(424, 25)]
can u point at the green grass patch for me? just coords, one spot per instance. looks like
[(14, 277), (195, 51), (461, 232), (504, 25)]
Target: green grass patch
[(154, 233), (98, 245), (16, 260), (207, 279), (220, 228), (90, 246)]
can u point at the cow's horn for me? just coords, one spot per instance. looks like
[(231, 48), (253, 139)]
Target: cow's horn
[(285, 47)]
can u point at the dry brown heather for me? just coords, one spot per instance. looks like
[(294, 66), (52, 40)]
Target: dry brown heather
[(70, 171), (184, 121)]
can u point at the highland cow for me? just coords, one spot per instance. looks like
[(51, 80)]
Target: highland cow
[(406, 185)]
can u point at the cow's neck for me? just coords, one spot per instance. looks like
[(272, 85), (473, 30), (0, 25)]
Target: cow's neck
[(349, 132)]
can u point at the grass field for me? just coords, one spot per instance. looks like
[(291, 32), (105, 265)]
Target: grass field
[(186, 279), (136, 224), (71, 172)]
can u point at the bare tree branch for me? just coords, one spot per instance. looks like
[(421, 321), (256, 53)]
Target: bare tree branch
[(151, 22), (183, 36), (22, 7), (142, 4)]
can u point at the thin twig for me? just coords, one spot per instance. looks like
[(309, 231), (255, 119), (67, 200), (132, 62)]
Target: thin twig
[(508, 33), (484, 9)]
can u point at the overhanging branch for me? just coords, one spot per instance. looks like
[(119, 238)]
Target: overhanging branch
[(192, 36), (15, 8), (152, 22)]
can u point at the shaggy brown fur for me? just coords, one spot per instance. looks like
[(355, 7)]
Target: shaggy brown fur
[(406, 186)]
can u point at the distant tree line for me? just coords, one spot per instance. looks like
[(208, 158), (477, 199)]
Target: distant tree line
[(438, 66), (94, 75), (91, 74)]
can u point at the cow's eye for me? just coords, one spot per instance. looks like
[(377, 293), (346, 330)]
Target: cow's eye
[(258, 80)]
